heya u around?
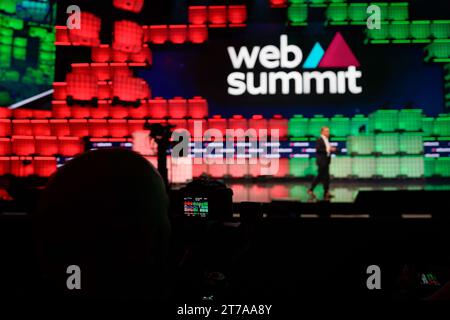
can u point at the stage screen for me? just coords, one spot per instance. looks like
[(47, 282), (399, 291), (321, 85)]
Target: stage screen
[(392, 76)]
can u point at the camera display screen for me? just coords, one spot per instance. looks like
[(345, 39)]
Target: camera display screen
[(196, 206)]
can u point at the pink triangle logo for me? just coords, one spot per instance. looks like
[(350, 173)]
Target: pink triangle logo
[(338, 54)]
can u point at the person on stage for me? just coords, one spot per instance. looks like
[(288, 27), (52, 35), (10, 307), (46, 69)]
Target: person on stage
[(323, 160)]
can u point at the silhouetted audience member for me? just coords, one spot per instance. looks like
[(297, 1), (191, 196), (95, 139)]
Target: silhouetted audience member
[(106, 212)]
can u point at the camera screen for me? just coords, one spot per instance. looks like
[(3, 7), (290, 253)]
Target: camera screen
[(196, 206)]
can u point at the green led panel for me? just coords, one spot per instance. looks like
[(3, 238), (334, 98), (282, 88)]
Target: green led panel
[(399, 30), (383, 121), (429, 167), (388, 167), (336, 13), (411, 143), (442, 167), (341, 167), (361, 145), (357, 12), (298, 14), (379, 34), (387, 143), (315, 125), (440, 29), (340, 126), (410, 119), (358, 123), (300, 167), (364, 167), (420, 29), (412, 166), (442, 126), (298, 126), (398, 11)]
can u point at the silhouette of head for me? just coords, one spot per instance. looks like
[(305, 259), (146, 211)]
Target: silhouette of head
[(106, 212)]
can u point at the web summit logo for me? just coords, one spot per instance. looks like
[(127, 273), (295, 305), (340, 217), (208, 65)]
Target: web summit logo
[(288, 56)]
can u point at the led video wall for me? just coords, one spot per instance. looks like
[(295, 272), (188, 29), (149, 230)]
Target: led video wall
[(27, 49)]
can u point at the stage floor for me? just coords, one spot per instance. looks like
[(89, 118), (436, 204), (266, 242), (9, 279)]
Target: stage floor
[(343, 191)]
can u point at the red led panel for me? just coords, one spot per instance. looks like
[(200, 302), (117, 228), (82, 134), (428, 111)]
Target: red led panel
[(118, 128), (180, 124), (41, 127), (198, 33), (201, 126), (279, 191), (118, 112), (70, 146), (140, 112), (146, 93), (5, 146), (5, 113), (100, 111), (5, 127), (120, 69), (238, 122), (258, 194), (120, 56), (143, 56), (46, 145), (101, 53), (278, 3), (5, 165), (198, 14), (254, 169), (22, 113), (178, 34), (146, 33), (199, 169), (128, 36), (258, 123), (177, 108), (129, 5), (78, 128), (161, 121), (60, 110), (238, 170), (197, 108), (22, 166), (217, 170), (81, 68), (82, 86), (59, 90), (98, 128), (158, 108), (44, 166), (22, 145), (217, 122), (128, 88), (42, 114), (237, 15), (158, 34), (80, 112), (283, 168), (279, 123), (217, 15), (61, 34), (59, 127), (104, 90), (21, 127), (89, 33), (135, 125), (101, 70)]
